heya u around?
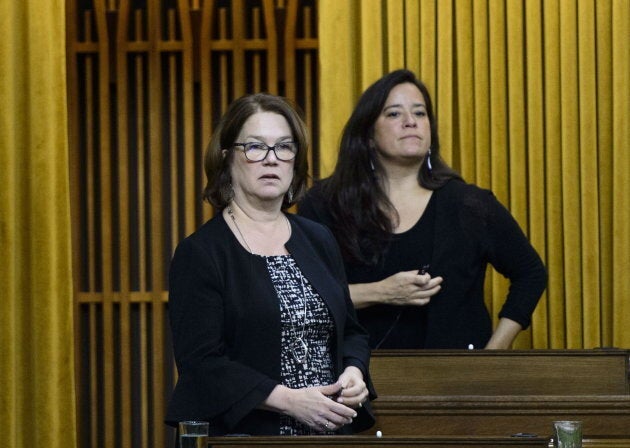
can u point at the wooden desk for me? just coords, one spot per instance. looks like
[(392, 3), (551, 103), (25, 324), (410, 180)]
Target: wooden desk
[(499, 393), (372, 441), (399, 441)]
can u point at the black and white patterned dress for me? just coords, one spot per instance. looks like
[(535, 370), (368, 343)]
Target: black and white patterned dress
[(316, 329)]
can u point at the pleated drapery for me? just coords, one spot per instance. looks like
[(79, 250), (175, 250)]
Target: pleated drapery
[(36, 321), (532, 101)]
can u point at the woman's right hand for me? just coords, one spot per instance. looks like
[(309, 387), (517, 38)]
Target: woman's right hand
[(313, 406), (402, 288)]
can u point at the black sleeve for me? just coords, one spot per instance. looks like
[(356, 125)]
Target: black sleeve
[(210, 384), (512, 255)]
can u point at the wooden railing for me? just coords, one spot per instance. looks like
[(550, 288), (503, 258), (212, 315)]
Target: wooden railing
[(486, 399), (147, 81)]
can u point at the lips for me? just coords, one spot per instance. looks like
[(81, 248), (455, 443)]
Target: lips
[(270, 176)]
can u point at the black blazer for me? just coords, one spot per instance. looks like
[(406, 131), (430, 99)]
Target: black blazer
[(225, 322)]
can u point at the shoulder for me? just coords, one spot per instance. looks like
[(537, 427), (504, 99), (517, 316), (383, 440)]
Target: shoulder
[(456, 188), (311, 229), (206, 240), (312, 235), (467, 196), (311, 240), (315, 204), (317, 194), (474, 207)]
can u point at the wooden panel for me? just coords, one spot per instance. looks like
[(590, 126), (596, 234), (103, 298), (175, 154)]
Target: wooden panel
[(500, 393), (147, 82), (500, 415), (477, 372)]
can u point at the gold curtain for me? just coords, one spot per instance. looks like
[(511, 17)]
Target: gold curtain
[(533, 101), (36, 326)]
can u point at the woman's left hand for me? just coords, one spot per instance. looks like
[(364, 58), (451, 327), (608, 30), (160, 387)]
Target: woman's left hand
[(354, 391)]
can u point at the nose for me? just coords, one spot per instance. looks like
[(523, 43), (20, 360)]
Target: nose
[(410, 120), (270, 158)]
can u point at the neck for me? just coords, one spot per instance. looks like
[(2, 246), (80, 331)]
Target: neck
[(255, 214), (401, 172), (259, 232), (401, 181)]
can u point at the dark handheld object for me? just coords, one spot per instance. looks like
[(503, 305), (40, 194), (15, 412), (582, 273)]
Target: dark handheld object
[(424, 269)]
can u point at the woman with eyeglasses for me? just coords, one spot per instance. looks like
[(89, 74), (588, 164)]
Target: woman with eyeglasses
[(265, 335), (416, 238)]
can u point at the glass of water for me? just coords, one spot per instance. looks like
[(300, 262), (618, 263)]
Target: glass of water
[(193, 434), (568, 434)]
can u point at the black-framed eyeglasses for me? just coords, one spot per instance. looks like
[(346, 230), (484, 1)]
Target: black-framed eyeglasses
[(258, 151)]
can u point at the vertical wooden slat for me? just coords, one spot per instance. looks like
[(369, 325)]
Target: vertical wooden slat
[(141, 148), (144, 374), (93, 381), (223, 63), (290, 76), (93, 375), (238, 51), (271, 43), (173, 91), (75, 171), (122, 80), (191, 194), (256, 57), (90, 200), (207, 81), (105, 217), (141, 230), (307, 83), (157, 218)]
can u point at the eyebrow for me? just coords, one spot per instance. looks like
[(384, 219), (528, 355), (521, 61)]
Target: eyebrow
[(400, 105), (262, 139)]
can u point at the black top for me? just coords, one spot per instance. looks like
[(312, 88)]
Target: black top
[(471, 229), (393, 326), (225, 318)]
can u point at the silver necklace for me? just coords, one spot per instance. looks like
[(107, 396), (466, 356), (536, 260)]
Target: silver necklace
[(297, 347), (238, 229)]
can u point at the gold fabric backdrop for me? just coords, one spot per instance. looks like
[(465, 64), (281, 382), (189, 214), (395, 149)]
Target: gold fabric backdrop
[(36, 326), (533, 101)]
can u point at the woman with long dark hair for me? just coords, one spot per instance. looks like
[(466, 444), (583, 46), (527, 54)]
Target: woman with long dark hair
[(416, 239)]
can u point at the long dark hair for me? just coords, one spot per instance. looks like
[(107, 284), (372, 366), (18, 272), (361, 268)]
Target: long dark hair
[(360, 207), (218, 190)]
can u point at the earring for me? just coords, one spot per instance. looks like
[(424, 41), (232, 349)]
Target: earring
[(429, 161), (227, 193), (290, 195)]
